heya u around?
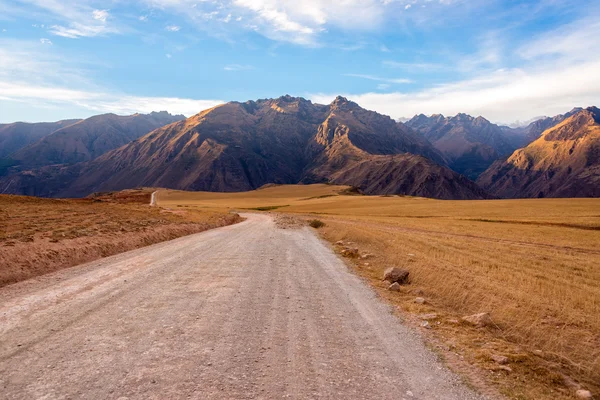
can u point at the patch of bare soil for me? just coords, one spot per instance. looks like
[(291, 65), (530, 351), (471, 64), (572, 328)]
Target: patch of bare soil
[(284, 221)]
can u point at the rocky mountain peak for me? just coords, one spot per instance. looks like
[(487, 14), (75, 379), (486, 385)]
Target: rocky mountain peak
[(342, 103)]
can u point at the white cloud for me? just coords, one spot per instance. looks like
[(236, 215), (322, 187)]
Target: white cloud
[(77, 30), (413, 66), (558, 71), (38, 77), (173, 28), (504, 96), (99, 102), (237, 67), (575, 41), (45, 41), (299, 22), (74, 19), (100, 15), (379, 79)]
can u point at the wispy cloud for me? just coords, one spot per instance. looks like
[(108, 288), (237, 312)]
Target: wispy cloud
[(100, 15), (504, 96), (74, 19), (237, 67), (173, 28), (413, 66), (45, 41), (41, 78), (302, 23), (99, 102), (380, 79)]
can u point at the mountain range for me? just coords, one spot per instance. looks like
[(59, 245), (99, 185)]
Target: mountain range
[(70, 142), (563, 162), (470, 144), (242, 146)]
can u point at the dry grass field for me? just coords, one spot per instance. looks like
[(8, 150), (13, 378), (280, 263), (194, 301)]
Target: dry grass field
[(38, 236), (534, 265)]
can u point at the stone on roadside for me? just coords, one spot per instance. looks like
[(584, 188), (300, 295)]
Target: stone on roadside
[(498, 359), (350, 252), (584, 394), (426, 325), (428, 317), (479, 320), (394, 287), (420, 300), (395, 274), (340, 242)]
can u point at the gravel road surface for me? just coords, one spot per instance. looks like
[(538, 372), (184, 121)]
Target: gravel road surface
[(249, 311)]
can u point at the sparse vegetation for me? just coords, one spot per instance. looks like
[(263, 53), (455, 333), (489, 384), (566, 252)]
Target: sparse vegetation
[(38, 236), (316, 223), (531, 264)]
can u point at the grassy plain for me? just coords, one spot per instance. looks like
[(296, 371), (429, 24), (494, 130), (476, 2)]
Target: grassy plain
[(38, 236), (534, 265)]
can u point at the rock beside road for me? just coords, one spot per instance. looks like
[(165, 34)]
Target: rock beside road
[(396, 275), (394, 287), (584, 394), (479, 320)]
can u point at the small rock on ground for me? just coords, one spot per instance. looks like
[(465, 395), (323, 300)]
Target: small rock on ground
[(395, 274), (394, 287), (479, 320), (420, 300), (584, 394), (499, 359)]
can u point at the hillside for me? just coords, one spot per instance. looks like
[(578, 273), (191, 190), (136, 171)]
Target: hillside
[(14, 137), (242, 146), (535, 129), (88, 139), (563, 162), (470, 144)]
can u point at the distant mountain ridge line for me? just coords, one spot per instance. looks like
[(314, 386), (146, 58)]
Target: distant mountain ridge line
[(240, 146), (85, 140)]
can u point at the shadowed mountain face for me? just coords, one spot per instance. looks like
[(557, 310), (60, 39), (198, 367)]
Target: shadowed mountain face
[(14, 137), (563, 162), (470, 144), (242, 146), (88, 139)]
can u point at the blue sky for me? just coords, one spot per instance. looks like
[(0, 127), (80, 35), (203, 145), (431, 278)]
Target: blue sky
[(506, 60)]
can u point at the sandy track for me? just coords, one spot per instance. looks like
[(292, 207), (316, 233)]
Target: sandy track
[(248, 311)]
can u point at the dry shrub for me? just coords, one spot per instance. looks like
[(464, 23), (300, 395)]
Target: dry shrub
[(316, 223)]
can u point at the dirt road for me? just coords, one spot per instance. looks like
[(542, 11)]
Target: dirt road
[(248, 311)]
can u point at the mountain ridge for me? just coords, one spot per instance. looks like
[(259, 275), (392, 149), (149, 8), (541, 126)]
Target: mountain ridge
[(242, 146), (563, 162), (89, 138)]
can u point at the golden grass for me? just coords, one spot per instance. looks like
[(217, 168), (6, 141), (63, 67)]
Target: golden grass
[(38, 236), (533, 264)]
